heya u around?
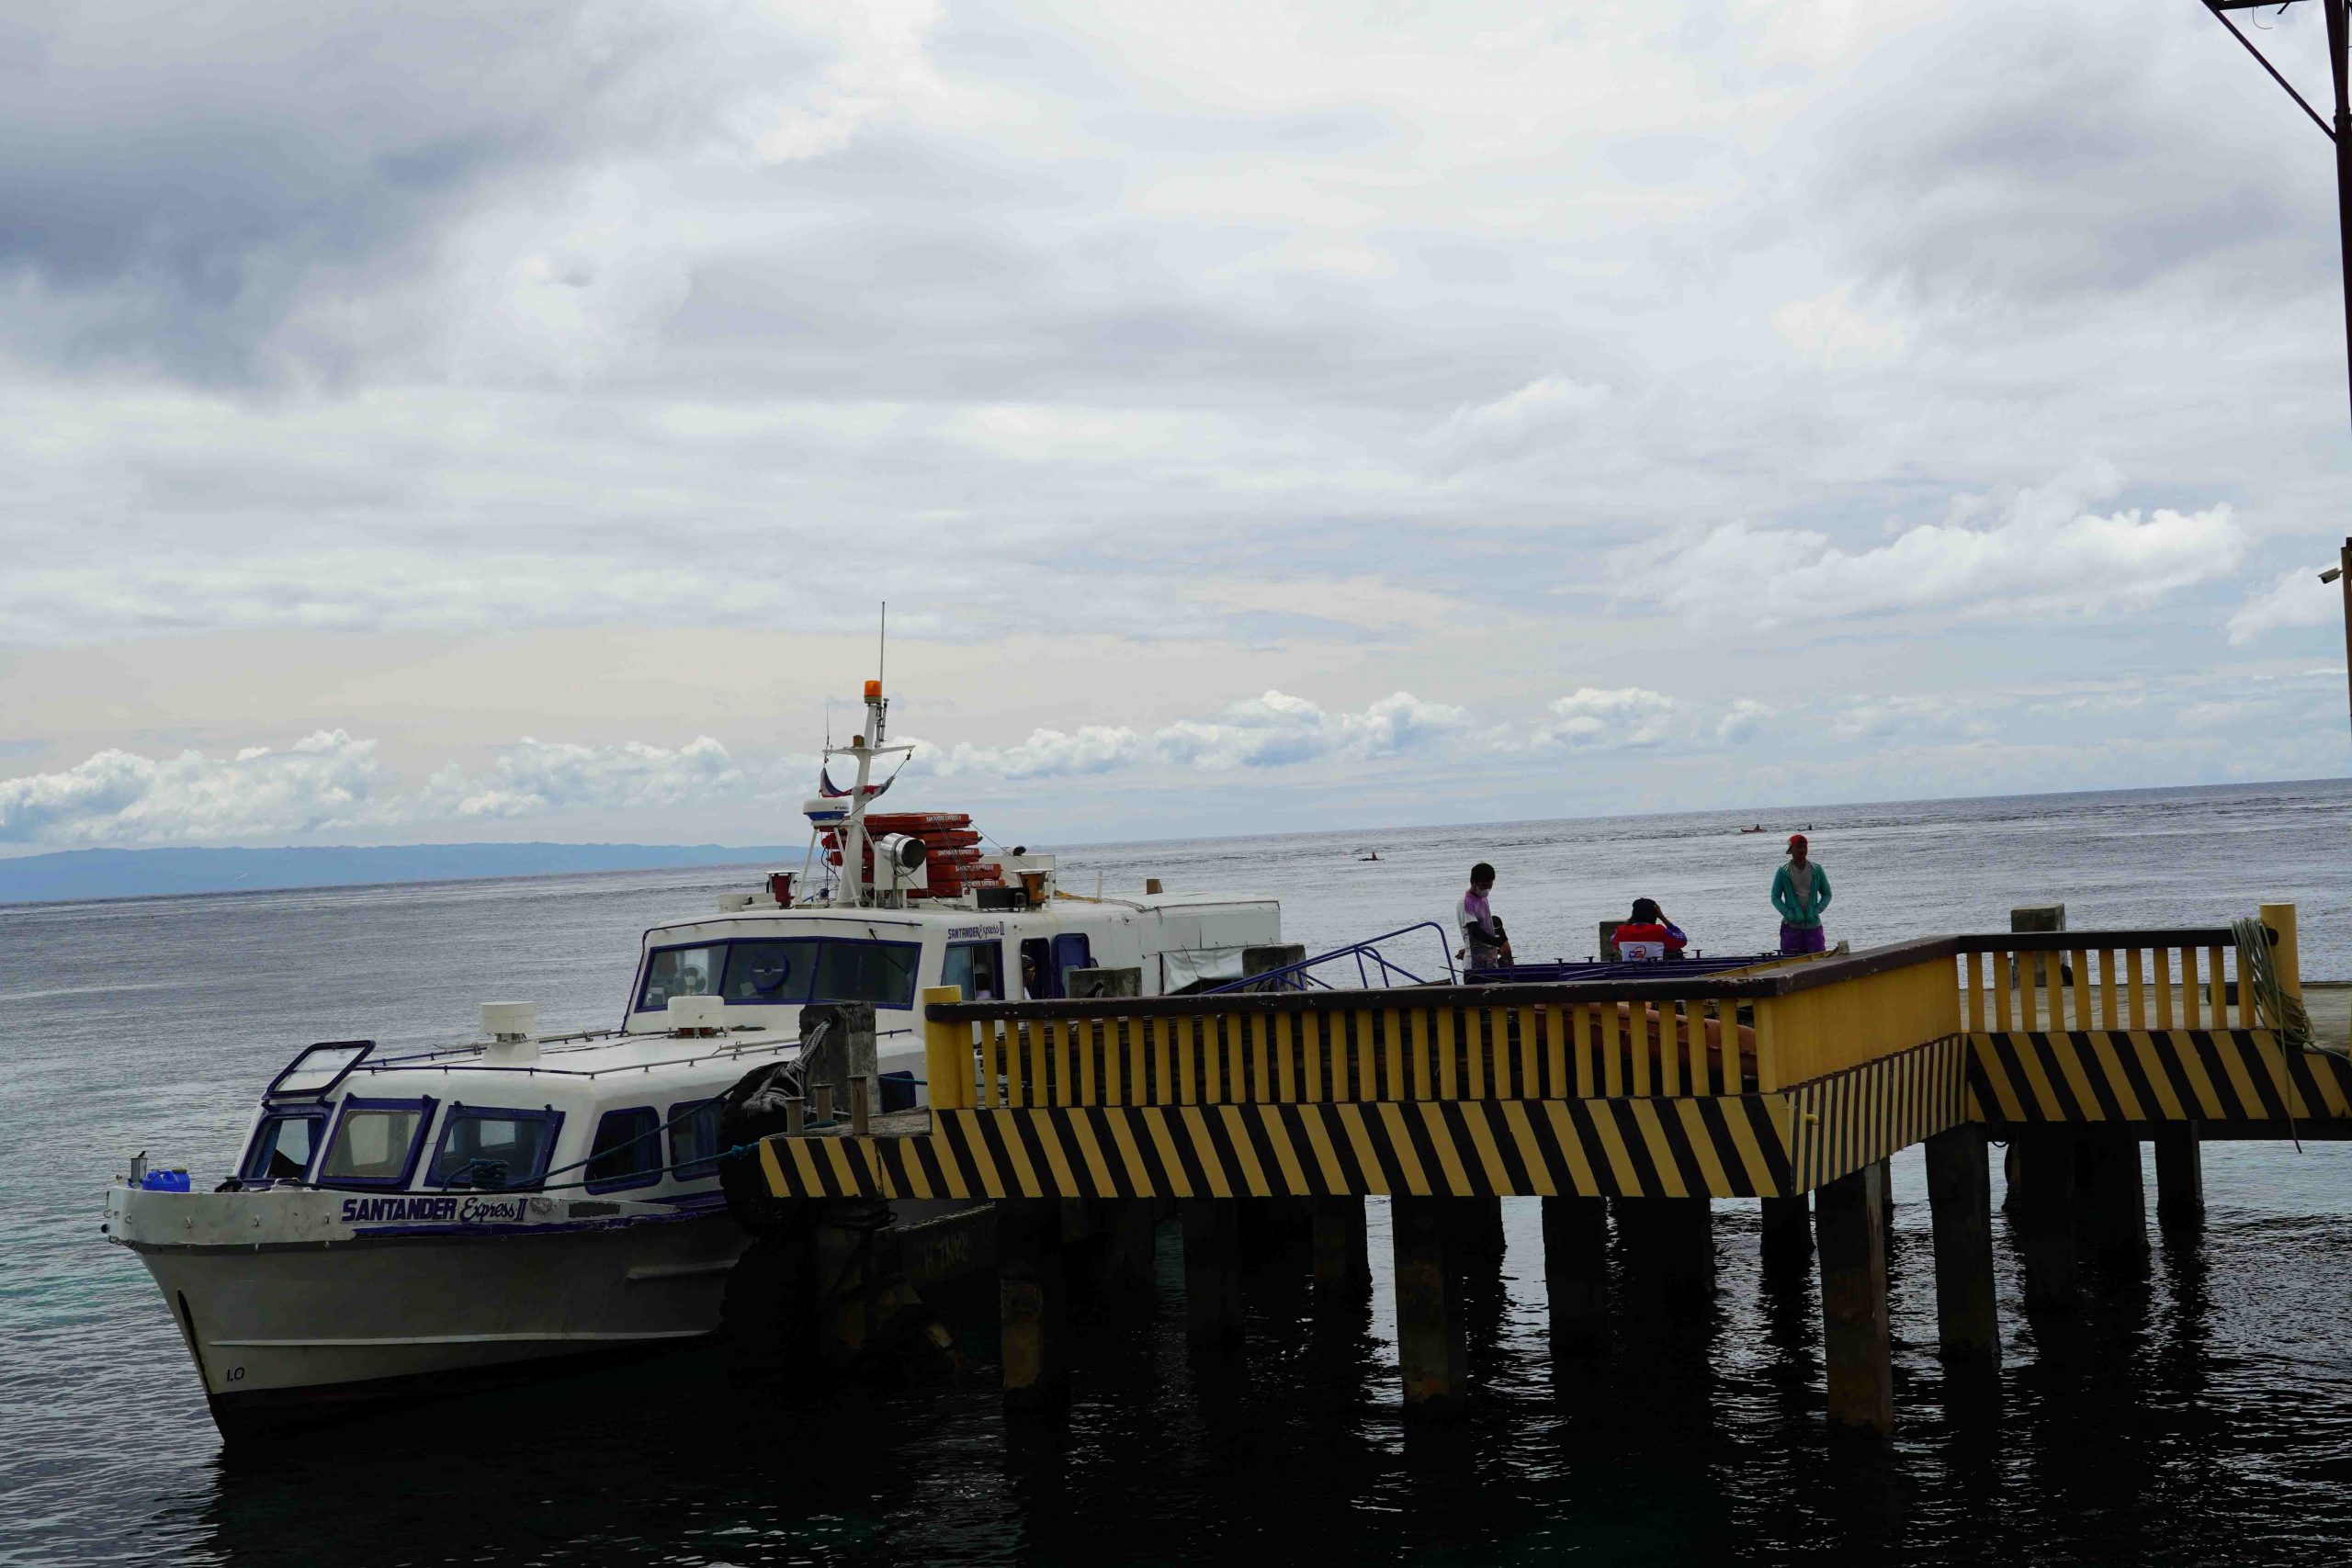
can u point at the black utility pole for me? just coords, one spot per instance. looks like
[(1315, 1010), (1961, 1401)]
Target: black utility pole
[(2339, 39)]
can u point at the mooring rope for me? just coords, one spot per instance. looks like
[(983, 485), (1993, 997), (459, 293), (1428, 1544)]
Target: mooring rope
[(2284, 1013)]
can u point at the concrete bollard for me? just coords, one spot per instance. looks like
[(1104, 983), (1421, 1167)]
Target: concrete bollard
[(1960, 1202), (1277, 955), (1855, 1335), (1093, 983), (2037, 918)]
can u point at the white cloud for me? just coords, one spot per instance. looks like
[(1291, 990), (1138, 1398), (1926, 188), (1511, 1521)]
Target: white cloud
[(1270, 731), (1627, 717), (2045, 554), (1743, 720), (1829, 325), (537, 778), (2297, 598), (324, 781), (1541, 414)]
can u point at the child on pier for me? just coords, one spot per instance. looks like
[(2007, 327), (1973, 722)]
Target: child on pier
[(1800, 892)]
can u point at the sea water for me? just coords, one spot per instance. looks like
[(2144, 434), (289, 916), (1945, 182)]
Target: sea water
[(2199, 1414)]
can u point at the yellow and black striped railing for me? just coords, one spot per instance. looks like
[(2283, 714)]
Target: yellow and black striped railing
[(1753, 1085)]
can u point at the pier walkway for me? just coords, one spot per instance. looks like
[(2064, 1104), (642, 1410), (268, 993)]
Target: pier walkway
[(1789, 1083)]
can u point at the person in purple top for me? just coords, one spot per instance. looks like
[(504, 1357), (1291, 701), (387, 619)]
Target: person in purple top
[(1484, 945)]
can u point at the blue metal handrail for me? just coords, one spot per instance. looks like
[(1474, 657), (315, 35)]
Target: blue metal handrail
[(1295, 977)]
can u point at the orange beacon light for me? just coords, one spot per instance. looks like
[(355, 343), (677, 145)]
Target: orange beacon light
[(874, 691)]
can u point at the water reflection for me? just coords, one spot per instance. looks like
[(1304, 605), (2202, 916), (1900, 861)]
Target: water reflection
[(2117, 1432)]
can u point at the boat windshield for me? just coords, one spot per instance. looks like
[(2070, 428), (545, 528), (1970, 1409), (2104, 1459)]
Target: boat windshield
[(784, 972)]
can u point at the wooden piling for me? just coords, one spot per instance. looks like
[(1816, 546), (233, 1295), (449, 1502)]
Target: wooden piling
[(1788, 1234), (1212, 1318), (2180, 1177), (1576, 1272), (2112, 1201), (1342, 1262), (1432, 1351), (1855, 1336), (1960, 1204), (2043, 1216)]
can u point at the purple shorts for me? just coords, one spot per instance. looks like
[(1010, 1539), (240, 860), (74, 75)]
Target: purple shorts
[(1802, 939)]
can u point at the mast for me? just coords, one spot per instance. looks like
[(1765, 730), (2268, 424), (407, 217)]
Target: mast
[(864, 746)]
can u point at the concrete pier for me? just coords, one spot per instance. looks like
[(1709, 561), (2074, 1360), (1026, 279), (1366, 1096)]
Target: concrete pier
[(1576, 1273), (1032, 1303), (2180, 1177), (1960, 1204), (1213, 1311), (1787, 1224), (1342, 1267), (1669, 1246), (2042, 1218), (2111, 1198), (1853, 1302), (1432, 1351)]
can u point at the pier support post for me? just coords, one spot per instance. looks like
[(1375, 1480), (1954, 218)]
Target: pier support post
[(1123, 1252), (2044, 1216), (1788, 1234), (1342, 1262), (1031, 1301), (2114, 1196), (1576, 1272), (1853, 1302), (2180, 1177), (1477, 1233), (1432, 1351), (1669, 1249), (1213, 1274), (1960, 1204)]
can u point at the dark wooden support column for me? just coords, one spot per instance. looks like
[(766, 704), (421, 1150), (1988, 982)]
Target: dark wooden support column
[(1669, 1249), (1576, 1272), (1433, 1352), (1788, 1234), (2113, 1202), (1342, 1262), (1960, 1202), (2043, 1216), (1851, 1217), (2180, 1177), (1031, 1303), (1213, 1274)]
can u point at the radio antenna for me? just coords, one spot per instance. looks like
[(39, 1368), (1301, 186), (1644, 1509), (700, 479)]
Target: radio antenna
[(882, 649)]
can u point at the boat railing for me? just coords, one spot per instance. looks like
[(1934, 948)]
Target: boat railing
[(1369, 960)]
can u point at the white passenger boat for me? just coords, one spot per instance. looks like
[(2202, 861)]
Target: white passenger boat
[(400, 1223)]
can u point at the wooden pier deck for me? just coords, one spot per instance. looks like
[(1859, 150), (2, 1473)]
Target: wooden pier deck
[(1791, 1086)]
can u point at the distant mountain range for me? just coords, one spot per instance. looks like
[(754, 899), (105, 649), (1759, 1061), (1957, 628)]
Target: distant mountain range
[(132, 873)]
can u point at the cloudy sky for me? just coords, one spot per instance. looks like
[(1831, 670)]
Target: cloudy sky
[(474, 421)]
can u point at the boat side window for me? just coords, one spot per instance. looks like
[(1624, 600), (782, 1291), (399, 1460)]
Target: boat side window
[(284, 1145), (375, 1142), (682, 971), (628, 1150), (694, 1139), (774, 971), (489, 1147), (882, 973), (976, 969)]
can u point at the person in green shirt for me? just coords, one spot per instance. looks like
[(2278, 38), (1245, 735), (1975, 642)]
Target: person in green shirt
[(1800, 891)]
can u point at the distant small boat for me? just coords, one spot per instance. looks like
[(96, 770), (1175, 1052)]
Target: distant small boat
[(1758, 828)]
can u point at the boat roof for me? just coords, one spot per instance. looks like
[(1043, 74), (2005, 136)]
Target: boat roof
[(942, 912)]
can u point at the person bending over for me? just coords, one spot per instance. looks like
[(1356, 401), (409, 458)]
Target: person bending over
[(1484, 945), (1649, 934)]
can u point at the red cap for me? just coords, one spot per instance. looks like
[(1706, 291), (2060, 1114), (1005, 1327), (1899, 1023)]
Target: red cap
[(1796, 841)]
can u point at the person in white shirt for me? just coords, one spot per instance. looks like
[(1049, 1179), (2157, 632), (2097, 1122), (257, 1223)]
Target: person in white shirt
[(1484, 945)]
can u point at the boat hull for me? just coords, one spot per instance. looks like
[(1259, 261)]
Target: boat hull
[(286, 1328)]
